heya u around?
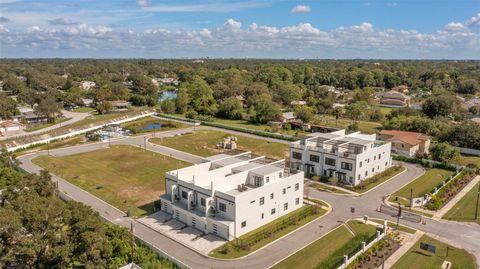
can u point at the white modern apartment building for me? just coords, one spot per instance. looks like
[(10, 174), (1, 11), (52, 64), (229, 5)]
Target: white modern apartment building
[(349, 158), (230, 195)]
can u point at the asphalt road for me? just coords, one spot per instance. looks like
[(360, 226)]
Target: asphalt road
[(458, 234)]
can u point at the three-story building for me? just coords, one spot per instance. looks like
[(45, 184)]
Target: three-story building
[(349, 158), (230, 195)]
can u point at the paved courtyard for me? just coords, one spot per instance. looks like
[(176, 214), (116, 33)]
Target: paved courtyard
[(163, 223)]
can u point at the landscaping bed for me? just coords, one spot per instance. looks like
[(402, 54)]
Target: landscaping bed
[(454, 186), (377, 254), (379, 178)]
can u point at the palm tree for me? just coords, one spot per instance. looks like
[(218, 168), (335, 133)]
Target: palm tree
[(338, 113)]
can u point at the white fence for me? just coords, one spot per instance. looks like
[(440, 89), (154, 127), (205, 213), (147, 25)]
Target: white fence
[(380, 235), (82, 131)]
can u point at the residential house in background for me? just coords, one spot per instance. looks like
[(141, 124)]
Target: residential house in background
[(119, 106), (348, 158), (288, 117), (394, 98), (10, 126), (231, 195), (407, 143), (87, 85)]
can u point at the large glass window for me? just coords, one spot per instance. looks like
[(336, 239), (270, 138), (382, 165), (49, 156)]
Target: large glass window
[(314, 158), (297, 155), (222, 207), (347, 166), (330, 161)]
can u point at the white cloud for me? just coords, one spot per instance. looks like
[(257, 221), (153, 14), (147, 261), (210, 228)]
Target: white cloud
[(301, 9), (144, 3), (473, 21), (454, 26), (62, 21), (232, 40)]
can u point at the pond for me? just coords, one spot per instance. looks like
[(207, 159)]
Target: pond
[(168, 95), (152, 126)]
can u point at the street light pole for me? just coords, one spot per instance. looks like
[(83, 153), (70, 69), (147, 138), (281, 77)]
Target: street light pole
[(145, 142), (478, 201), (411, 198)]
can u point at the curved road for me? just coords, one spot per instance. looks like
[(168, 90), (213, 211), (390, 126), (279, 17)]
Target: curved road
[(459, 234)]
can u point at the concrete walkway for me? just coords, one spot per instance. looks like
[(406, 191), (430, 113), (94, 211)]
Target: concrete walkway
[(403, 249), (440, 213)]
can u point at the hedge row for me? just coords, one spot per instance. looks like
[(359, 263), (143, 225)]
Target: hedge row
[(425, 162)]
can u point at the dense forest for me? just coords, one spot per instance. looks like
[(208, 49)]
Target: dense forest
[(39, 230), (258, 90)]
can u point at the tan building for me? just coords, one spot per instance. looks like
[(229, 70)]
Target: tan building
[(407, 143), (394, 98)]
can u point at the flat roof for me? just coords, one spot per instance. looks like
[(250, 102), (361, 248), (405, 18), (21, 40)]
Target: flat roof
[(268, 169)]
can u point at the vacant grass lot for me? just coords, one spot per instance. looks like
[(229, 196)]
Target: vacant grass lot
[(126, 177), (313, 255), (417, 258), (464, 210), (236, 252), (381, 178), (84, 109), (421, 185), (203, 143), (368, 127)]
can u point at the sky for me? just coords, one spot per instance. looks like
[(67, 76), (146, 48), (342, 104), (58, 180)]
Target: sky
[(321, 29)]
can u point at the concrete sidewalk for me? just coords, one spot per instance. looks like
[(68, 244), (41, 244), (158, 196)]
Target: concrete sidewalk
[(410, 242)]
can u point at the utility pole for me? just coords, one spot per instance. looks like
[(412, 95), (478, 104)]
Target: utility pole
[(48, 147), (399, 214), (411, 198), (145, 142), (478, 201), (109, 140), (132, 242)]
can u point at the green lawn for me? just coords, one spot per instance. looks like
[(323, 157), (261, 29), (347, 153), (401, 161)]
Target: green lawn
[(467, 159), (378, 179), (124, 176), (321, 187), (368, 127), (317, 253), (45, 125), (464, 210), (421, 185), (67, 142), (236, 252), (137, 126), (203, 143), (417, 258), (84, 109)]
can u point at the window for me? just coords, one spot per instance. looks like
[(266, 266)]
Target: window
[(297, 155), (244, 224), (366, 173), (222, 207), (315, 158), (374, 157), (262, 200), (358, 176), (403, 145), (284, 191), (347, 166), (202, 201), (379, 156), (360, 164), (297, 201), (329, 161), (271, 196), (267, 179), (257, 181), (386, 163), (285, 206), (373, 169), (272, 211), (262, 215), (184, 194), (296, 186)]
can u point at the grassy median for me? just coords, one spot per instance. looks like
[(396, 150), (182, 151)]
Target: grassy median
[(464, 210)]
